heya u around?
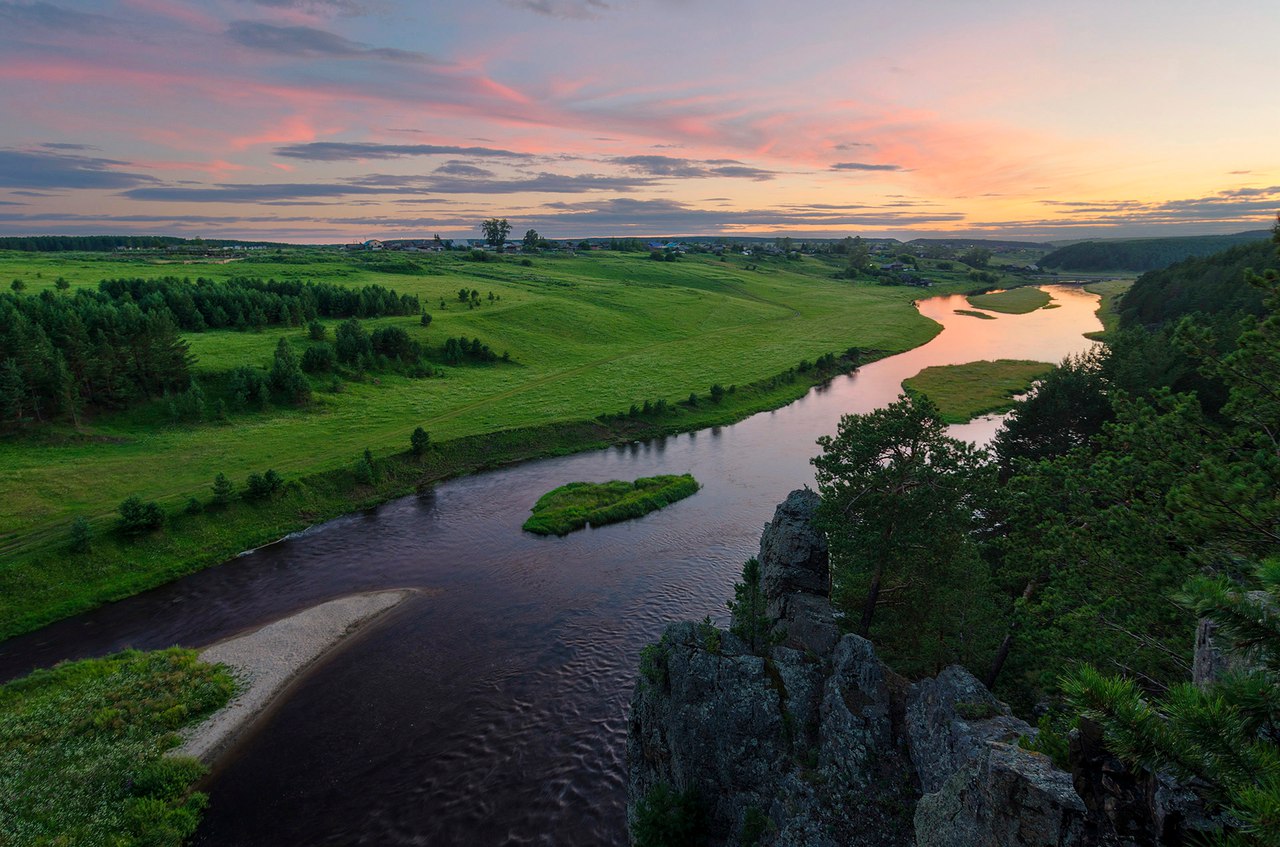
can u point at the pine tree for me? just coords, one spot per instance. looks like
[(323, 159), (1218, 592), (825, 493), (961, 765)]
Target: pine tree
[(419, 441), (223, 490), (1222, 734), (286, 378), (750, 620)]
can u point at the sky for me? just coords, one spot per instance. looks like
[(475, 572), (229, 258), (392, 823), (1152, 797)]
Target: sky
[(335, 121)]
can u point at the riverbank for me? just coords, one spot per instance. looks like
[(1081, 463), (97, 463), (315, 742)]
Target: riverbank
[(49, 582), (264, 662)]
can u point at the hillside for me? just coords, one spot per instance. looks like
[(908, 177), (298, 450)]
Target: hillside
[(1211, 284), (1143, 254)]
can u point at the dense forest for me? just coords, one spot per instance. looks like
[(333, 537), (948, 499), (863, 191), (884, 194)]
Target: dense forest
[(1209, 285), (1144, 254), (105, 349), (1137, 489)]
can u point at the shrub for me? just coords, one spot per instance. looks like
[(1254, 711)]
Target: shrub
[(137, 517), (223, 490), (717, 393), (167, 778), (316, 331), (80, 536), (665, 818), (193, 506), (319, 358), (262, 486), (419, 441)]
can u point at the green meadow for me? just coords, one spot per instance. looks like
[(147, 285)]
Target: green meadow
[(573, 506), (1014, 301), (587, 336), (963, 392)]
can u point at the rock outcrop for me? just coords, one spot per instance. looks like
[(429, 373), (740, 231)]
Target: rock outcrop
[(819, 743)]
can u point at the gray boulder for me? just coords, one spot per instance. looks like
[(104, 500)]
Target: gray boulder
[(950, 720), (1006, 797)]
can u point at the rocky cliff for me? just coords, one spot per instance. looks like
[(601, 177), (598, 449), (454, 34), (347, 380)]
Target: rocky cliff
[(818, 743)]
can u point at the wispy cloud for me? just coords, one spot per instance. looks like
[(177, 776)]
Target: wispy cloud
[(342, 7), (671, 166), (49, 16), (566, 9), (863, 166), (31, 169), (339, 151), (309, 42)]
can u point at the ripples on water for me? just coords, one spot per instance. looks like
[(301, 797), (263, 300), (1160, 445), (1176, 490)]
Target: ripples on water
[(492, 709)]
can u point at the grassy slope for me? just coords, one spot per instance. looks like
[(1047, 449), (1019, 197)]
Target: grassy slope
[(573, 506), (1110, 292), (963, 392), (80, 750), (1015, 301), (588, 335)]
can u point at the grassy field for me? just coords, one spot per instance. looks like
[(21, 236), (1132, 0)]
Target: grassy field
[(81, 750), (587, 335), (1014, 301), (963, 392), (1110, 291), (573, 506)]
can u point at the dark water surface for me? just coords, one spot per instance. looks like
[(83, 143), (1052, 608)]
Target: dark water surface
[(491, 709)]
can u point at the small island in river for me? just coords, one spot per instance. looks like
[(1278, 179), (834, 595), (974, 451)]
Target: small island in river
[(573, 506)]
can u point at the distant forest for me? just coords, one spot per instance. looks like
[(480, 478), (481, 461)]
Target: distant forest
[(1145, 254), (1206, 285), (103, 243)]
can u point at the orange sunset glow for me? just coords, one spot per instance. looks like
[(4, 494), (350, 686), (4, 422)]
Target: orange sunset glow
[(338, 120)]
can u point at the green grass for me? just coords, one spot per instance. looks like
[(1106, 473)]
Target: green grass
[(573, 506), (1110, 291), (48, 581), (971, 313), (587, 335), (1014, 301), (81, 750), (963, 392)]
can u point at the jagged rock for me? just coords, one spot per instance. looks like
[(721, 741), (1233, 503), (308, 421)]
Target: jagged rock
[(706, 716), (949, 722), (1006, 797), (820, 744), (793, 555), (795, 571), (1209, 662), (856, 726)]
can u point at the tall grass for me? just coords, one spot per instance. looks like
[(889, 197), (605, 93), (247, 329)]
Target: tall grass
[(578, 504)]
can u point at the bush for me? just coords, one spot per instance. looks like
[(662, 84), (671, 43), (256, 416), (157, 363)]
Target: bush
[(419, 441), (80, 536), (319, 358), (667, 819), (223, 490), (316, 331), (138, 517), (262, 486), (193, 506)]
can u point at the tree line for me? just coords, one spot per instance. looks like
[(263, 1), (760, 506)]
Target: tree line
[(253, 303), (60, 354), (1067, 565), (104, 243)]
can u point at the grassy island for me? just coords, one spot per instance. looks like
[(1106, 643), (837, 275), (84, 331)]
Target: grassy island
[(963, 392), (974, 314), (81, 749), (1015, 301), (573, 506)]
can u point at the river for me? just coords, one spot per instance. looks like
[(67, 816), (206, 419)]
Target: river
[(492, 709)]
